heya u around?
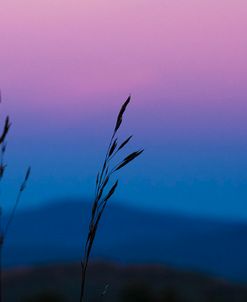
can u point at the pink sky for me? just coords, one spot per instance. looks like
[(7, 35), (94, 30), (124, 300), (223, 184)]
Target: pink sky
[(66, 65), (55, 51)]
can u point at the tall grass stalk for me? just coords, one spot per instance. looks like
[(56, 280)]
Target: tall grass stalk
[(104, 190), (4, 228)]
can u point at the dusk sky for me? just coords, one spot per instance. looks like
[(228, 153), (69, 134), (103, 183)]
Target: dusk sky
[(67, 66)]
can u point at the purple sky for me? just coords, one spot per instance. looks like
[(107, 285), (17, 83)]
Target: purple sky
[(66, 67)]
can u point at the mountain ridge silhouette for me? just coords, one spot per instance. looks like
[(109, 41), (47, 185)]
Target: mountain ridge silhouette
[(55, 233)]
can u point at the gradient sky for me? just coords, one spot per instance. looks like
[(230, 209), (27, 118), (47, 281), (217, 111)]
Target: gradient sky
[(66, 67)]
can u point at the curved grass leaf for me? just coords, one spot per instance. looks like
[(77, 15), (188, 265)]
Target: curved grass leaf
[(103, 187), (128, 159), (23, 185), (120, 115), (125, 142), (113, 147), (27, 174), (97, 179), (111, 192), (5, 130)]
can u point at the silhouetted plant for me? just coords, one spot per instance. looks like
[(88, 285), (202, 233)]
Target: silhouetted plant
[(102, 181), (4, 228)]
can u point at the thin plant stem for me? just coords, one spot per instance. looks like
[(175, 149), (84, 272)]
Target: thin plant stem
[(4, 230), (101, 197)]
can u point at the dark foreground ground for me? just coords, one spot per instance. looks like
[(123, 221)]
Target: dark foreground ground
[(108, 282)]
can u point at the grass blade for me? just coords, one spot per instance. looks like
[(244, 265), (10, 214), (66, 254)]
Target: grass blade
[(125, 142), (120, 115), (128, 159)]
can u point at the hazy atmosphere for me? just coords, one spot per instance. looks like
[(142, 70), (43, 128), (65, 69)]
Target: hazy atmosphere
[(67, 66), (171, 73)]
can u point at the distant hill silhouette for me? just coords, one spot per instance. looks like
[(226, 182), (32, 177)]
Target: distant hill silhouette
[(61, 283), (54, 233)]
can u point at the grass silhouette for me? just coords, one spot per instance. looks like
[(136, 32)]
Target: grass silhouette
[(102, 195), (4, 229)]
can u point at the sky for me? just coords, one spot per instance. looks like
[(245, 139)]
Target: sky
[(67, 66)]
